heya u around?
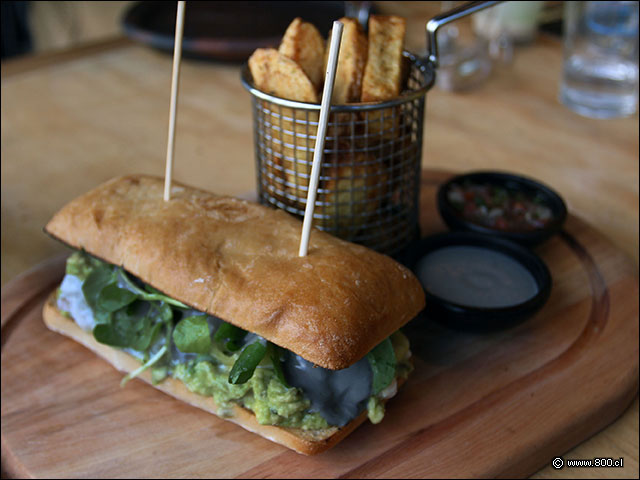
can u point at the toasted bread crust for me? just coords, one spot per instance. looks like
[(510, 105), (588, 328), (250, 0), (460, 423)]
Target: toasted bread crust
[(238, 260), (308, 442), (279, 75), (383, 72), (303, 44)]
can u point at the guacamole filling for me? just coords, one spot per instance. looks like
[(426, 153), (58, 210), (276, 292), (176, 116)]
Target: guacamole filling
[(217, 359)]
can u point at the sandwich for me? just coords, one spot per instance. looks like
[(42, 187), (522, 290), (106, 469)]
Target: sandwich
[(205, 298)]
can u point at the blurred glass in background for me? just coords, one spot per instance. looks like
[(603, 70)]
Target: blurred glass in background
[(463, 61), (467, 57), (600, 71)]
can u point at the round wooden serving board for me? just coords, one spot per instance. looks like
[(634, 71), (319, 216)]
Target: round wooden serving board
[(488, 405)]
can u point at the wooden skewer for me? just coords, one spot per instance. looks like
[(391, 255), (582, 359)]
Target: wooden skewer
[(329, 80), (175, 81)]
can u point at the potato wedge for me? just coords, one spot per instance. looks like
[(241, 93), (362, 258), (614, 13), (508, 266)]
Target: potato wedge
[(303, 44), (383, 71), (351, 62), (278, 75)]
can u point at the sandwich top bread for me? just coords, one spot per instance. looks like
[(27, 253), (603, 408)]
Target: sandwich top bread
[(238, 261)]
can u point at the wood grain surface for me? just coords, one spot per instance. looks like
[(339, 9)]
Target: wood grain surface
[(72, 120), (497, 405)]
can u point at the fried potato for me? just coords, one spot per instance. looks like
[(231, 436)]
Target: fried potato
[(383, 71), (287, 139), (351, 62), (303, 44), (353, 189), (278, 75)]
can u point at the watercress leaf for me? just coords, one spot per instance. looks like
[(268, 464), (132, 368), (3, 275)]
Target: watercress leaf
[(101, 317), (155, 294), (127, 331), (139, 330), (163, 312), (99, 278), (158, 297), (191, 335), (112, 298), (383, 365), (150, 289), (275, 356), (105, 333), (124, 278), (146, 336), (149, 363), (229, 336), (247, 362), (144, 294)]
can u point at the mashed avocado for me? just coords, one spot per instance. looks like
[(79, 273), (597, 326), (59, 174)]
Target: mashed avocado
[(144, 321), (80, 265), (375, 409), (272, 402)]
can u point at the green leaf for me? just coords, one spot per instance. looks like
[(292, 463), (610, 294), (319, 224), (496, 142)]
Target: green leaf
[(127, 330), (191, 335), (105, 333), (247, 362), (152, 290), (164, 312), (101, 316), (153, 334), (112, 298), (229, 336), (149, 297), (383, 365), (148, 364), (274, 355), (98, 279)]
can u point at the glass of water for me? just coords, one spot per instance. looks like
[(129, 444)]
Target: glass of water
[(600, 73)]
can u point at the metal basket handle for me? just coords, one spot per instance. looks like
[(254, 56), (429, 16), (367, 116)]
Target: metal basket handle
[(447, 17)]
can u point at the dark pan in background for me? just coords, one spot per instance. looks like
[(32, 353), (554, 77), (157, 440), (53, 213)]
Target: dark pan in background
[(227, 31)]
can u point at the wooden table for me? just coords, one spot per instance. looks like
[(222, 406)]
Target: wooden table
[(74, 119)]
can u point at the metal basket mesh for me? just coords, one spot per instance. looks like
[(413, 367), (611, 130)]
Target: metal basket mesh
[(369, 184)]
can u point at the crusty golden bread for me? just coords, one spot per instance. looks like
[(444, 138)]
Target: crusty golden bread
[(303, 44), (351, 62), (308, 442), (278, 75), (238, 260), (383, 72)]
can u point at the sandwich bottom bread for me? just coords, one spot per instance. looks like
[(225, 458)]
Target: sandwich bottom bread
[(234, 354)]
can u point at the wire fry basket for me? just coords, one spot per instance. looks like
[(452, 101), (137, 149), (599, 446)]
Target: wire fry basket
[(369, 185), (370, 177)]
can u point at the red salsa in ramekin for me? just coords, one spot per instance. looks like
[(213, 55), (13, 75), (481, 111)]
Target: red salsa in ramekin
[(502, 204), (499, 207)]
